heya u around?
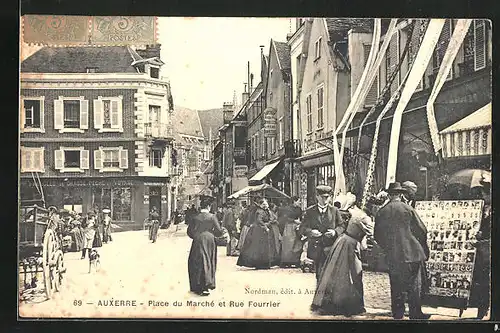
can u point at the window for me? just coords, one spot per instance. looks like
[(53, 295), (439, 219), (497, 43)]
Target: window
[(263, 143), (32, 114), (108, 114), (71, 159), (281, 133), (154, 113), (155, 158), (391, 61), (111, 159), (413, 49), (317, 49), (71, 114), (32, 159), (441, 46), (309, 113), (154, 72), (319, 95)]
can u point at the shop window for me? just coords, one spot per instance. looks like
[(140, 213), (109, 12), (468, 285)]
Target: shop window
[(121, 203)]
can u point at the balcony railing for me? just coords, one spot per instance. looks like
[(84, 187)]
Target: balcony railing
[(292, 149), (158, 131)]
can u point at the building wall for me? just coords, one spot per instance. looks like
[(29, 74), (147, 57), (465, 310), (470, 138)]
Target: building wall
[(278, 96), (296, 56)]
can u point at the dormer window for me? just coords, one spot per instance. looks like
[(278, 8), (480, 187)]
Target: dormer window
[(154, 72), (91, 69)]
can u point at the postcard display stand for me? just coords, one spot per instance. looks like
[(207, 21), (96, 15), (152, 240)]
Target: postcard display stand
[(451, 227)]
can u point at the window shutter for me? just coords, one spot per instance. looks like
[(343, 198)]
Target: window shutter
[(120, 112), (123, 158), (372, 95), (58, 114), (59, 159), (98, 159), (114, 114), (415, 45), (443, 42), (479, 45), (22, 115), (84, 159), (84, 114), (23, 160), (98, 114), (394, 59), (42, 114), (37, 160)]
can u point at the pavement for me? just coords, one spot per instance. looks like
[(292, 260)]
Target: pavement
[(140, 279)]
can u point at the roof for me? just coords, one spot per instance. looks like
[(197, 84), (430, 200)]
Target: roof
[(478, 119), (211, 119), (338, 27), (253, 97), (186, 121), (108, 59), (283, 54)]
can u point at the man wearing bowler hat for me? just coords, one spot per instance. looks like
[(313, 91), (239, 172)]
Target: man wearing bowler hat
[(400, 233), (322, 224)]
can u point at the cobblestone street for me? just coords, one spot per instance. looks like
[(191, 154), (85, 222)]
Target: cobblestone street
[(152, 275)]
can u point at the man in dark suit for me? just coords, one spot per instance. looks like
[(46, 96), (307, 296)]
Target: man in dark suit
[(400, 233), (322, 224)]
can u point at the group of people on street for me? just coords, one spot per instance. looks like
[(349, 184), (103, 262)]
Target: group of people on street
[(335, 231), (82, 232)]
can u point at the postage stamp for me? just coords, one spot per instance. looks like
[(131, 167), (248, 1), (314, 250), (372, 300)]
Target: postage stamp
[(65, 30)]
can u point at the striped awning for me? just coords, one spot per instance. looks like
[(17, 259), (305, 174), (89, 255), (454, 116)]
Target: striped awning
[(266, 170), (471, 136)]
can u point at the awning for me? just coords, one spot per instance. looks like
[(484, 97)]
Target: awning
[(264, 171), (471, 136), (269, 191)]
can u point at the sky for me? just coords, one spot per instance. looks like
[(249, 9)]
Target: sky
[(206, 58)]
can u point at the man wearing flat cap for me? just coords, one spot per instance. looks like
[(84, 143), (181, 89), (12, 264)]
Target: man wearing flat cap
[(322, 224), (400, 233)]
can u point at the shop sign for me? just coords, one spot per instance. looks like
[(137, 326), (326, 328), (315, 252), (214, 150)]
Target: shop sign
[(240, 171), (451, 226), (87, 183), (239, 152), (146, 199), (163, 198), (154, 184), (270, 123)]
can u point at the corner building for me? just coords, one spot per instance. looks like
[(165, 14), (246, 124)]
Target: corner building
[(96, 130)]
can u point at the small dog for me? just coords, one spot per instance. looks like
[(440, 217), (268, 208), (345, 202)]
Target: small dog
[(94, 260)]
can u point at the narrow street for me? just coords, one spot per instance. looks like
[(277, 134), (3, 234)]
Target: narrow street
[(138, 279)]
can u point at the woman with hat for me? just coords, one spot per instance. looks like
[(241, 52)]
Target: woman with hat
[(202, 261), (106, 235), (340, 285), (88, 234), (261, 247)]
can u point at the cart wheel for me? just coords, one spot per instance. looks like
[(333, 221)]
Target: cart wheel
[(48, 253), (57, 271)]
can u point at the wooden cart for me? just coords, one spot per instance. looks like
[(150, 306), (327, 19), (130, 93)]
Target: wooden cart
[(40, 250)]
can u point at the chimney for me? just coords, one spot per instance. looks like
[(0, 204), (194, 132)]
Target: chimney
[(251, 84), (245, 95), (227, 112)]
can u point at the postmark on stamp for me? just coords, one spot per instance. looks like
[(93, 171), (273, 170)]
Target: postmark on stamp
[(65, 30), (119, 30), (56, 30)]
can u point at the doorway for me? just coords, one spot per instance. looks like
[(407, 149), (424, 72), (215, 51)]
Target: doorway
[(155, 199)]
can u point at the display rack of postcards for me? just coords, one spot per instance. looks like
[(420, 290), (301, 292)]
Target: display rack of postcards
[(451, 229)]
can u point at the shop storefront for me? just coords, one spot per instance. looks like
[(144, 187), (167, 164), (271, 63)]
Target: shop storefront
[(314, 171), (129, 200)]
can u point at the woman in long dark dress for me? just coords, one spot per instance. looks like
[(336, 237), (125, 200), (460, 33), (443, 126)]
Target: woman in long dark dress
[(340, 286), (261, 247), (202, 261), (291, 245)]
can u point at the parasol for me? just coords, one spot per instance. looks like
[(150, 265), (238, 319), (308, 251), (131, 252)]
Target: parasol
[(269, 191), (470, 178)]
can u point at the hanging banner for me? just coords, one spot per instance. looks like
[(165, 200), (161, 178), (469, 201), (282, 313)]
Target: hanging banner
[(451, 226), (270, 123), (456, 41), (422, 59)]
